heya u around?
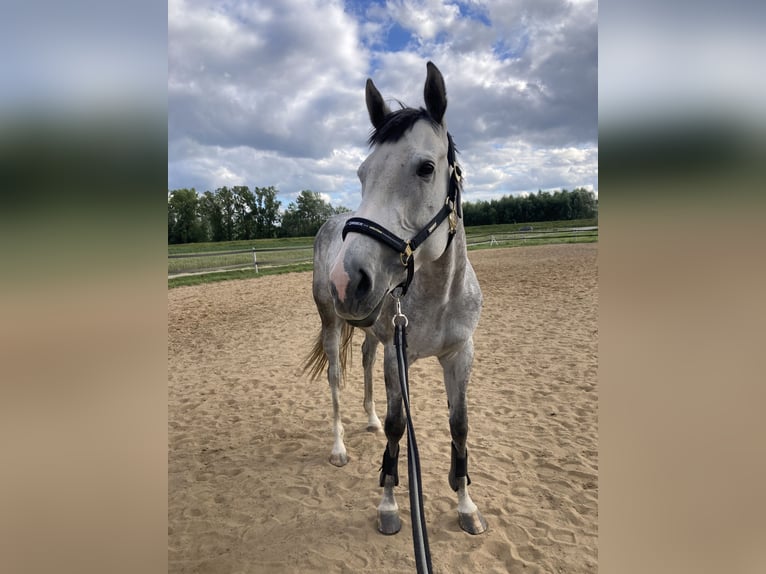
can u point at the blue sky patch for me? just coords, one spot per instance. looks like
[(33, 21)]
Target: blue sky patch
[(474, 12), (397, 38)]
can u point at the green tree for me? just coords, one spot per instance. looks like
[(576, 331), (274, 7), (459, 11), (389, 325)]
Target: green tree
[(561, 208), (341, 209), (584, 204), (212, 217), (244, 212), (540, 206), (184, 223), (171, 222), (266, 209), (306, 215), (226, 201)]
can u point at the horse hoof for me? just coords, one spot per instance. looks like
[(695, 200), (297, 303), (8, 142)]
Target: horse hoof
[(373, 428), (339, 459), (389, 522), (473, 523)]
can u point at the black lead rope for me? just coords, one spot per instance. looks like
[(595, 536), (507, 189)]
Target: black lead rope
[(419, 531)]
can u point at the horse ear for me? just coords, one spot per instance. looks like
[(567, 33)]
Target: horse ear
[(435, 93), (376, 107)]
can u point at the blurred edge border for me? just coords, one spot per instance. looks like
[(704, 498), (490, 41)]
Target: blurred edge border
[(682, 275), (84, 337), (83, 304)]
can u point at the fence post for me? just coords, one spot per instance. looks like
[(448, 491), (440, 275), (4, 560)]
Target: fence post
[(255, 261)]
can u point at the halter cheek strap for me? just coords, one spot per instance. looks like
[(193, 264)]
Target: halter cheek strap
[(451, 211)]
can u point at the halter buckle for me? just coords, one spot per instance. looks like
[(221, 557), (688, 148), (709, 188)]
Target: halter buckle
[(452, 221), (405, 255)]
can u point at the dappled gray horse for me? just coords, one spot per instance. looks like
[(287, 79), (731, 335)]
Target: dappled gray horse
[(410, 189)]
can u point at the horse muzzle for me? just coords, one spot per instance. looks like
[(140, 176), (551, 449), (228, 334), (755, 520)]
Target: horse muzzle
[(370, 319), (359, 285), (356, 304)]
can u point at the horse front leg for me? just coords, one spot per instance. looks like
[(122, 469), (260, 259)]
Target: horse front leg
[(388, 510), (457, 371), (369, 350)]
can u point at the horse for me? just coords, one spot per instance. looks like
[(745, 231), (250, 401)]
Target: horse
[(360, 261)]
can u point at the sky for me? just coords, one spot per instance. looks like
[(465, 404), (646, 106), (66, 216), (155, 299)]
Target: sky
[(271, 93)]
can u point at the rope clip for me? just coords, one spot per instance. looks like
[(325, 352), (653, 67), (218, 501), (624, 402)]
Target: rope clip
[(397, 295)]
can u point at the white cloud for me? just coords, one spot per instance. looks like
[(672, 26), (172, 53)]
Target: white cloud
[(425, 17), (273, 93), (493, 170), (267, 75)]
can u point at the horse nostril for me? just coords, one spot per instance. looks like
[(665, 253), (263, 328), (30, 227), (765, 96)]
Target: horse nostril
[(364, 285)]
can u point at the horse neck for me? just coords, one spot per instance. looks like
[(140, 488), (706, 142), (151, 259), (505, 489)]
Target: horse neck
[(449, 269)]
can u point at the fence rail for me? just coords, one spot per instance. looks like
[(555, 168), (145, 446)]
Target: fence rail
[(237, 252), (211, 261), (524, 236), (238, 259)]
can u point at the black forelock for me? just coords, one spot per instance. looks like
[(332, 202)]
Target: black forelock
[(397, 123)]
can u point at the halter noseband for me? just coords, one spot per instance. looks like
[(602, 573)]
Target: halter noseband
[(451, 210)]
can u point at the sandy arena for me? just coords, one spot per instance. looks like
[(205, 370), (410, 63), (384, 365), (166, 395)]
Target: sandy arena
[(250, 488)]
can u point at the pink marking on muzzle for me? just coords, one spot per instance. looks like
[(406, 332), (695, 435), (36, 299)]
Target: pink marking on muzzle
[(340, 279)]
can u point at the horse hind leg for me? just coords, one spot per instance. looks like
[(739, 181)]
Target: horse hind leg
[(456, 373), (369, 351), (331, 335)]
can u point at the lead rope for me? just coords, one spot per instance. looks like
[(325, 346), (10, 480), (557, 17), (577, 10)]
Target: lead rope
[(419, 531)]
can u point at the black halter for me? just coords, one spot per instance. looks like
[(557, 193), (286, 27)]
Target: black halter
[(451, 210)]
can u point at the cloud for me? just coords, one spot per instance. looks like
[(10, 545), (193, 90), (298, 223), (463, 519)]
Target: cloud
[(425, 19), (492, 170), (266, 93), (264, 75)]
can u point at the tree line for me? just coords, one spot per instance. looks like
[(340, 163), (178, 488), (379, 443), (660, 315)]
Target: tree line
[(233, 213), (541, 206)]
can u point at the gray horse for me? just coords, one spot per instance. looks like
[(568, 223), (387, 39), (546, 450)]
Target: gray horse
[(410, 186)]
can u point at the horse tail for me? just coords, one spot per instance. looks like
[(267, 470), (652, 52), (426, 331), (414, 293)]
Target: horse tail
[(316, 361), (346, 354)]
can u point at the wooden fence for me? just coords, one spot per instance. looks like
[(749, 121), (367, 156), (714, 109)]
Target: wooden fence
[(212, 261)]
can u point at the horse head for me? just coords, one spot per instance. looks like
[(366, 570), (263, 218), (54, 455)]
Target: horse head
[(410, 185)]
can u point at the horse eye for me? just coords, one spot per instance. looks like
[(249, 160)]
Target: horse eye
[(426, 168)]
